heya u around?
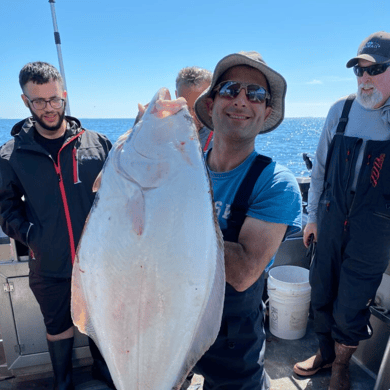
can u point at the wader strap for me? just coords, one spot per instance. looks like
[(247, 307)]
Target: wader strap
[(344, 115), (340, 129), (240, 204)]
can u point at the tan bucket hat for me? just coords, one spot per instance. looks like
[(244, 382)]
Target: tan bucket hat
[(277, 85)]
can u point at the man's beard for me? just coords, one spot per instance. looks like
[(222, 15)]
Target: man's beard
[(368, 100), (44, 125)]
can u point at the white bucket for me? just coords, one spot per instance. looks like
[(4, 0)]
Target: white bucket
[(289, 300)]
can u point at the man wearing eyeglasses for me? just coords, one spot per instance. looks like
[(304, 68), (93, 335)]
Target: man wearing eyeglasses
[(349, 213), (46, 176), (257, 202)]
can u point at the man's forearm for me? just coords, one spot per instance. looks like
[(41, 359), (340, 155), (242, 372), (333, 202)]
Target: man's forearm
[(241, 270), (313, 199), (246, 259)]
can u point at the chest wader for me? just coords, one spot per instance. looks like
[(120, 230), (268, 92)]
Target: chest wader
[(236, 360), (353, 245)]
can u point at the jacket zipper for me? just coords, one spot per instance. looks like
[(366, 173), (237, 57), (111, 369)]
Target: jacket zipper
[(64, 199)]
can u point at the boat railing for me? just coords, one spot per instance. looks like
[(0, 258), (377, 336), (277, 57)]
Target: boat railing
[(23, 346)]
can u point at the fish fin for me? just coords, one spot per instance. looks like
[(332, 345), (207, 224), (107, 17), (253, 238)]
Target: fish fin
[(79, 311), (97, 183)]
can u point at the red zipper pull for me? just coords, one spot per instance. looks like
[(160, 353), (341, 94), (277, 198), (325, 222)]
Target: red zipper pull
[(345, 225)]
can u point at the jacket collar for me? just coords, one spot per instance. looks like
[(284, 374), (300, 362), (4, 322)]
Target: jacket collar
[(25, 128)]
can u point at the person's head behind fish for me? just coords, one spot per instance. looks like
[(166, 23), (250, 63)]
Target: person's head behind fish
[(190, 83), (277, 88)]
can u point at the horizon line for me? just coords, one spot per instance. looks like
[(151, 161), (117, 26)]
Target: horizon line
[(81, 118)]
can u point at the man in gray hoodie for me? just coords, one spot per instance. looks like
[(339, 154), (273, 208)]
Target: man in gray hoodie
[(349, 213)]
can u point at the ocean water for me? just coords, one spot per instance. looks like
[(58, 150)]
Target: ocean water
[(285, 144)]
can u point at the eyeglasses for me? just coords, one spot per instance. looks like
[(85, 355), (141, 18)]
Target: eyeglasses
[(231, 89), (372, 70), (40, 104)]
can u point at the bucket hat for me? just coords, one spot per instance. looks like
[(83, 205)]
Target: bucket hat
[(277, 86), (375, 48)]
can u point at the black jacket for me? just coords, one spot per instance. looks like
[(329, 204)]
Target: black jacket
[(43, 203)]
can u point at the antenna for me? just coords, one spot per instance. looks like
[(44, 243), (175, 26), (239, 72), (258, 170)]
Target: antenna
[(57, 41)]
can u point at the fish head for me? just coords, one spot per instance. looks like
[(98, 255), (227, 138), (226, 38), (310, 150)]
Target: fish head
[(162, 143), (165, 128)]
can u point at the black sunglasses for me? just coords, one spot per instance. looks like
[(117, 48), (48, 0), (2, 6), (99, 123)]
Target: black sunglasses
[(372, 70), (254, 92)]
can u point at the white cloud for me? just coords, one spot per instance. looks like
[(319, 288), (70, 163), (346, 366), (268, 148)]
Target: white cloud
[(315, 82)]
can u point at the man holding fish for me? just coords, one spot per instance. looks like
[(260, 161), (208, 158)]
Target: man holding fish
[(164, 293), (258, 203)]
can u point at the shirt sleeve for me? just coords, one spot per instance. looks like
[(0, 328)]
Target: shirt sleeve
[(276, 198), (13, 219)]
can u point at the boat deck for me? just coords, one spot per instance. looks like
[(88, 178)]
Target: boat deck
[(281, 355)]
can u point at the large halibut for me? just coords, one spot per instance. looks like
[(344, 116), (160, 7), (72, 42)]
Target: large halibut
[(148, 278)]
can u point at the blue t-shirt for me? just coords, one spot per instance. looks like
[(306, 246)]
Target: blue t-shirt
[(275, 198)]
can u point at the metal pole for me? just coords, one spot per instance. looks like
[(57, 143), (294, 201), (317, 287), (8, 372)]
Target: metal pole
[(57, 41), (385, 359)]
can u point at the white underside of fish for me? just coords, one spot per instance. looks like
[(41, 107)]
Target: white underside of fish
[(148, 280)]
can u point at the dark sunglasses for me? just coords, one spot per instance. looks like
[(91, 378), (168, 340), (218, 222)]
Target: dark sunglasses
[(254, 92), (372, 70)]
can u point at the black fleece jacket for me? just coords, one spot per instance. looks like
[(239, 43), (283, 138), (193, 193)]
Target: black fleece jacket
[(44, 203)]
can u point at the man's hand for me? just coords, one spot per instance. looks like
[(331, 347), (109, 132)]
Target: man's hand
[(310, 229)]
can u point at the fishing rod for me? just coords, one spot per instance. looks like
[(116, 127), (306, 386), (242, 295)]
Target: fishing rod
[(57, 41)]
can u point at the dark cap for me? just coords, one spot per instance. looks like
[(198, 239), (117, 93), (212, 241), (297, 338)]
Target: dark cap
[(375, 48)]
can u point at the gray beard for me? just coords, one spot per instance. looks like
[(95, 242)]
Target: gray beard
[(368, 101)]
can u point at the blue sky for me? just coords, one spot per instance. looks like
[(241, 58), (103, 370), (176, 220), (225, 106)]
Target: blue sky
[(118, 53)]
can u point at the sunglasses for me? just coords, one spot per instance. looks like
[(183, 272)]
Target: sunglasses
[(254, 92), (372, 70)]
